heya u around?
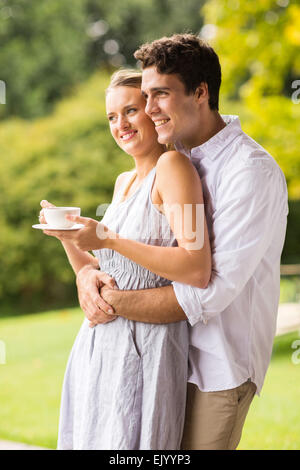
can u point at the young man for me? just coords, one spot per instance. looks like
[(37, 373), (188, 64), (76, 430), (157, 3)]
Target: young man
[(232, 321)]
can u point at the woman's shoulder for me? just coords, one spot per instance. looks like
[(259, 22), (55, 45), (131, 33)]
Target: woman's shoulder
[(173, 157), (176, 167), (172, 161)]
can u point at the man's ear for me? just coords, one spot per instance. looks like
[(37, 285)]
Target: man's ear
[(201, 93)]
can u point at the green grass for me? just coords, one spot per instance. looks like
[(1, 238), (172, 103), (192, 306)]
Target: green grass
[(37, 349), (273, 421)]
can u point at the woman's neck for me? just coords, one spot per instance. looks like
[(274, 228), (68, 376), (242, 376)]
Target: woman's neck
[(144, 164)]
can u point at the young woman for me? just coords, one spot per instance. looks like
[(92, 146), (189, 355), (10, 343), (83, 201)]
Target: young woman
[(125, 383)]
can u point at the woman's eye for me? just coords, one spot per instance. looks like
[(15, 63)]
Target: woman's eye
[(130, 110), (111, 118)]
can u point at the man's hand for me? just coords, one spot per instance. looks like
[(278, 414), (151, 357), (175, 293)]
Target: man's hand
[(89, 281), (110, 296)]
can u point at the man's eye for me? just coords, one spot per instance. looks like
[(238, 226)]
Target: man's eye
[(131, 110)]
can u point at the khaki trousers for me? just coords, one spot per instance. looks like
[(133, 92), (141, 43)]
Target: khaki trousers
[(214, 420)]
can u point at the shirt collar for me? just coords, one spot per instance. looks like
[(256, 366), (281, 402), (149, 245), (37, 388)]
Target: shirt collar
[(212, 147)]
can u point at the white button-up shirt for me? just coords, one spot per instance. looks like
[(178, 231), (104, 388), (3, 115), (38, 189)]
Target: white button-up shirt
[(233, 321)]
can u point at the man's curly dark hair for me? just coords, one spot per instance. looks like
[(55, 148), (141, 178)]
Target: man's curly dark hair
[(187, 56)]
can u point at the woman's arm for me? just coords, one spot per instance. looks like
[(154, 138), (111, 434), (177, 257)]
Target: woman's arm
[(180, 190), (77, 257)]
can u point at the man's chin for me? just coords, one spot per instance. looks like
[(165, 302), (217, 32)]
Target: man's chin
[(164, 139)]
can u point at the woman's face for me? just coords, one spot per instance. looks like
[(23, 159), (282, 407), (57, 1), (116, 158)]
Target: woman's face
[(130, 126)]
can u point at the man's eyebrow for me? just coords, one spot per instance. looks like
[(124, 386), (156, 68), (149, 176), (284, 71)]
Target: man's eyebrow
[(130, 105), (159, 88)]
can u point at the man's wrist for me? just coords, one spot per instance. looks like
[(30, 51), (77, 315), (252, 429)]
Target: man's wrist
[(112, 297)]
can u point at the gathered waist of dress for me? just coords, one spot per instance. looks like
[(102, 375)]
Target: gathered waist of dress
[(129, 275)]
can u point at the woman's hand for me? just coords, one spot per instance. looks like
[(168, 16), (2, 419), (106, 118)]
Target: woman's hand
[(93, 236), (44, 204)]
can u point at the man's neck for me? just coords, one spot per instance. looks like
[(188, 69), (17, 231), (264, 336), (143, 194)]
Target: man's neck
[(208, 127)]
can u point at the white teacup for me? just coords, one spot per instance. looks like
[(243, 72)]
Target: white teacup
[(55, 216)]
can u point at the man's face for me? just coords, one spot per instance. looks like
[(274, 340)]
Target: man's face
[(174, 113)]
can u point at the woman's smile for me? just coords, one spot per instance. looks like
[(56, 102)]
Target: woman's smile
[(128, 135)]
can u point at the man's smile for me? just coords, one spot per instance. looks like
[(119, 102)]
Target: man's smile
[(161, 122)]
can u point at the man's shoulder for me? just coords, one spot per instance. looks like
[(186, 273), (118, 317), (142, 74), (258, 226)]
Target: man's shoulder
[(250, 169), (247, 153)]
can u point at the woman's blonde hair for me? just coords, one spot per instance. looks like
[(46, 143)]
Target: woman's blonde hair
[(125, 77)]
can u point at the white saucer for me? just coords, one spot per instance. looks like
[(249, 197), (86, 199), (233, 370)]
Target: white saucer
[(48, 227)]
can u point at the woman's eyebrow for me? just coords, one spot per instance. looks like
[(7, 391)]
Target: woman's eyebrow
[(125, 107)]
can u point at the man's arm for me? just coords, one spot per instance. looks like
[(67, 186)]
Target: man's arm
[(97, 293), (158, 305)]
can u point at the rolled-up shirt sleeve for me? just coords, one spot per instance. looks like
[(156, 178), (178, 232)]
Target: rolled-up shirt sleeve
[(250, 204)]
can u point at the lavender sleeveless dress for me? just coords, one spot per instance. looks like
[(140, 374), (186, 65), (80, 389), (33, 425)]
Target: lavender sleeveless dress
[(125, 382)]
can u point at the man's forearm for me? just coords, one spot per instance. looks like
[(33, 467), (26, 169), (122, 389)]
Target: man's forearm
[(157, 305)]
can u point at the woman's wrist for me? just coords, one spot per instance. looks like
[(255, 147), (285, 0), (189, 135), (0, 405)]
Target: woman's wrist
[(67, 244), (112, 241)]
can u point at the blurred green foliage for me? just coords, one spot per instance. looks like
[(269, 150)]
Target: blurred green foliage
[(48, 46), (49, 58), (258, 45), (42, 53)]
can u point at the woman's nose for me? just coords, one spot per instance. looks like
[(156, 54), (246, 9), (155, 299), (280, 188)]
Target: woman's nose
[(123, 122)]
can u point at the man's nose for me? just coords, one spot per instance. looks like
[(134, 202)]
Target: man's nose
[(151, 107)]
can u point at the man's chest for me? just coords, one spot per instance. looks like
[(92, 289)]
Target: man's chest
[(209, 182)]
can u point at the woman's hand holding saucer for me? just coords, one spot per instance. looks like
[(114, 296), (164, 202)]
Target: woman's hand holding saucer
[(92, 236)]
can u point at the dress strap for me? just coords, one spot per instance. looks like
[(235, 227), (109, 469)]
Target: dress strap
[(128, 183), (122, 188), (142, 188)]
